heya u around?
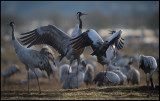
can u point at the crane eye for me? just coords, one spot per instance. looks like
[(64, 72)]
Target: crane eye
[(78, 13)]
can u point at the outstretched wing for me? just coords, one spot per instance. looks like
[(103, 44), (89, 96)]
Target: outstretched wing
[(114, 39), (49, 35), (81, 41), (88, 38), (117, 39), (119, 43)]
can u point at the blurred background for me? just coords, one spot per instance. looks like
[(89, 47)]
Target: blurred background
[(139, 21)]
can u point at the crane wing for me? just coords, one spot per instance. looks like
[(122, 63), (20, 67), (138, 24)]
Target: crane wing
[(49, 35), (119, 43), (81, 41), (87, 38), (116, 39)]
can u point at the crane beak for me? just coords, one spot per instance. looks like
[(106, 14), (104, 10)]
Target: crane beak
[(120, 31), (84, 14), (112, 32)]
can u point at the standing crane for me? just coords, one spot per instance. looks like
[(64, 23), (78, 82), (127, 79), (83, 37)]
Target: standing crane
[(59, 40), (32, 58), (148, 64)]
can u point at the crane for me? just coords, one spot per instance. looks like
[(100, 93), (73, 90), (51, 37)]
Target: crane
[(32, 59), (99, 47)]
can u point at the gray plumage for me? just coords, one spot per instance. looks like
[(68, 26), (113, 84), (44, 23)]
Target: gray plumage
[(99, 47), (148, 64), (119, 71), (59, 40), (8, 72), (135, 57), (32, 59), (111, 67), (89, 75), (70, 81), (158, 66), (63, 71), (92, 63), (53, 36), (120, 60), (122, 77), (91, 38), (110, 53), (31, 75), (126, 70), (135, 78), (99, 78), (111, 79)]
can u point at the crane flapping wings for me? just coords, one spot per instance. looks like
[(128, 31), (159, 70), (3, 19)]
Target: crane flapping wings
[(114, 39), (49, 35)]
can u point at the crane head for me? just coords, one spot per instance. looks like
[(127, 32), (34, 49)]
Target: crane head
[(80, 14), (112, 32), (11, 23)]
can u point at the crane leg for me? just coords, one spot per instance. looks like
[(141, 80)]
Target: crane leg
[(68, 71), (104, 73), (78, 60), (152, 85), (128, 81), (147, 81), (28, 81), (4, 81), (77, 77), (70, 66), (27, 68), (38, 82), (147, 85)]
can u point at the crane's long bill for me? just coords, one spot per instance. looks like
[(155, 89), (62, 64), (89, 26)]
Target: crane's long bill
[(84, 14)]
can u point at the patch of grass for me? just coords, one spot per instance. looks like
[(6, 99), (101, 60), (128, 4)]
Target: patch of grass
[(97, 93)]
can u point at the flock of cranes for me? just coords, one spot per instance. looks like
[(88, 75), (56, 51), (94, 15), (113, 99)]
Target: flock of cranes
[(71, 47)]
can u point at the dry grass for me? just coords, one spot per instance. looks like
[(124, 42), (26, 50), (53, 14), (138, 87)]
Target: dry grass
[(96, 93)]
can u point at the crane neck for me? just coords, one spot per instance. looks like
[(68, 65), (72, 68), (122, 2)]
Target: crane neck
[(16, 44), (13, 37), (80, 22)]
